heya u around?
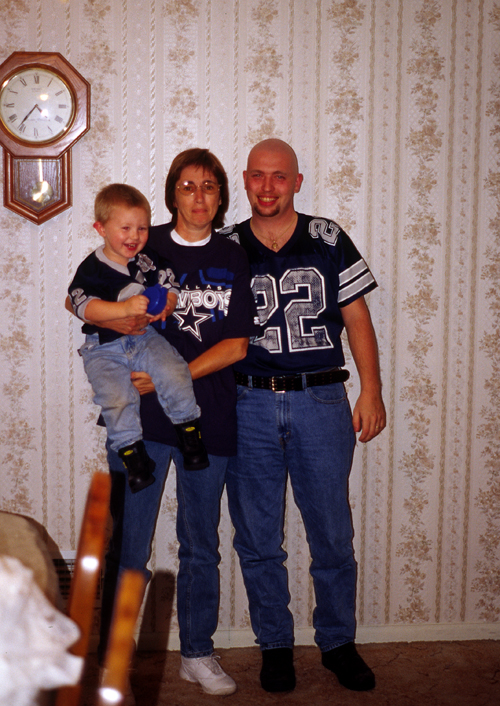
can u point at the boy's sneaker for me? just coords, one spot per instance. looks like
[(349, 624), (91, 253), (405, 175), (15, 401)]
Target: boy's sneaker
[(139, 466), (207, 672), (191, 446)]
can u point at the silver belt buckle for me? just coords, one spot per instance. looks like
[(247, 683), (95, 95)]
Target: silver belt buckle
[(273, 387)]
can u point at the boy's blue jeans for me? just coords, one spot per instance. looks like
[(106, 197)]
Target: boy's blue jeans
[(108, 367)]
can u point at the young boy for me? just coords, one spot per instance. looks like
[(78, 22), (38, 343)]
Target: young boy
[(109, 284)]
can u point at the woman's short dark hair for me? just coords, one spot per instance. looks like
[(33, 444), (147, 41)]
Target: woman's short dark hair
[(208, 162)]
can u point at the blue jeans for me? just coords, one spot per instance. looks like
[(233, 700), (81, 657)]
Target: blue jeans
[(198, 514), (308, 435), (108, 367), (134, 521)]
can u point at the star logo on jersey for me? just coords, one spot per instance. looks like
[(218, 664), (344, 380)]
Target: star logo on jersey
[(189, 320)]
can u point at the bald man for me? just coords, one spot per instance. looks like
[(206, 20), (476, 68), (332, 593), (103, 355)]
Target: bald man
[(294, 419)]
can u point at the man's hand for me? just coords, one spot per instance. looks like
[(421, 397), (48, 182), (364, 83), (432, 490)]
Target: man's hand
[(369, 416)]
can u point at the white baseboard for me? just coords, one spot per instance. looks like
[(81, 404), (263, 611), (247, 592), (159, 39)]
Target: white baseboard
[(365, 635), (429, 633)]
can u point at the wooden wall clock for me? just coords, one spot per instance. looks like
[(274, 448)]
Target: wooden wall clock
[(44, 110)]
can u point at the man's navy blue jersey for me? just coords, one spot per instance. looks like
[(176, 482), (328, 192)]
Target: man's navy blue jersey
[(98, 277), (299, 292)]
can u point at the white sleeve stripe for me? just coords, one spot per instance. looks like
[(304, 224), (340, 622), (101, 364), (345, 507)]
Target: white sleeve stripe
[(80, 309), (352, 272), (357, 286)]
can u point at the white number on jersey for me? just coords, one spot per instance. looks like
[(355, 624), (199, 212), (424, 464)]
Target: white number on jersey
[(310, 285), (321, 228)]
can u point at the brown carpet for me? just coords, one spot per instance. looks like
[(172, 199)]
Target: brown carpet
[(408, 674)]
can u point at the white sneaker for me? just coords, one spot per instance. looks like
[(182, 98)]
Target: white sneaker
[(207, 672)]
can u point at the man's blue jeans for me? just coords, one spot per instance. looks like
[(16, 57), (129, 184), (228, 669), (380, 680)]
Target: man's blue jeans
[(108, 368), (310, 435), (134, 521)]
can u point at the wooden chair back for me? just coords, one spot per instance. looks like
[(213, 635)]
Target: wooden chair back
[(121, 638), (89, 556)]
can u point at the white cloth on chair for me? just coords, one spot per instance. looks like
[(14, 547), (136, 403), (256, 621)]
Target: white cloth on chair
[(34, 639)]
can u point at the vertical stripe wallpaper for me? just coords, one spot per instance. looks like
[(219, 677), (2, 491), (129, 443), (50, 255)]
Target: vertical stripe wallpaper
[(393, 109)]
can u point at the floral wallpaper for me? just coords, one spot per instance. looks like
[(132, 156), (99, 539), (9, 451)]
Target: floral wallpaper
[(394, 111)]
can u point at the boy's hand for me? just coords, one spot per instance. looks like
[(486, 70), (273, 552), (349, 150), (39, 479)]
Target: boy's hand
[(136, 305)]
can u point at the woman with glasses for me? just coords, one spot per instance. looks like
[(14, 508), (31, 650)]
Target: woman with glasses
[(210, 328)]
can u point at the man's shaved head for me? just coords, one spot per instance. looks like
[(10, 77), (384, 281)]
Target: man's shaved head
[(273, 144)]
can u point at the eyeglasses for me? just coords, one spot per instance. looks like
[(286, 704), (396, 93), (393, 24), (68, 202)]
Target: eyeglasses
[(189, 189)]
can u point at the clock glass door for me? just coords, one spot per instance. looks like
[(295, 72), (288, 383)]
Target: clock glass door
[(37, 188)]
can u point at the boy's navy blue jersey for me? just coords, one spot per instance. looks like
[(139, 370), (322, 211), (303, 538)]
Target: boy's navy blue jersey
[(299, 292), (215, 303), (98, 277)]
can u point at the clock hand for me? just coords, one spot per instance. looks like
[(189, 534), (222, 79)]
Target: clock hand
[(27, 116)]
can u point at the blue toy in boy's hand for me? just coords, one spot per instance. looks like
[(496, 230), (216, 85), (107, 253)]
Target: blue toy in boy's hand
[(157, 296)]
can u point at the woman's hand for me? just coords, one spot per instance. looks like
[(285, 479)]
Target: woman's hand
[(168, 310), (132, 325), (142, 382)]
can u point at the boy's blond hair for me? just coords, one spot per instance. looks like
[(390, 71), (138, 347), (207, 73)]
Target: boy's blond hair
[(119, 195)]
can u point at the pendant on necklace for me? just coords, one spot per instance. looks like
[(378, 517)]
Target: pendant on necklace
[(274, 246)]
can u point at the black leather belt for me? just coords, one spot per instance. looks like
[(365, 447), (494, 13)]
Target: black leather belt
[(288, 383)]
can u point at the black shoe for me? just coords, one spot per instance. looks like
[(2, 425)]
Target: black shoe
[(193, 451), (139, 466), (351, 670), (277, 673)]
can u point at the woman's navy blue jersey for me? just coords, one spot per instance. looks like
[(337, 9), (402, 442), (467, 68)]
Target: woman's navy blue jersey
[(215, 303)]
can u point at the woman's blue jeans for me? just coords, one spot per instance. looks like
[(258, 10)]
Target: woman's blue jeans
[(134, 521), (308, 435)]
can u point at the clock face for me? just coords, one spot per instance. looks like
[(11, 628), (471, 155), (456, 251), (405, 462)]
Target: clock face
[(36, 105)]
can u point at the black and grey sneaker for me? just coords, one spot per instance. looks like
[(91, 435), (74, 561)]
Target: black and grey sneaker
[(139, 466), (191, 446)]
